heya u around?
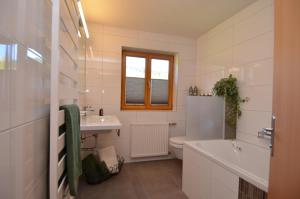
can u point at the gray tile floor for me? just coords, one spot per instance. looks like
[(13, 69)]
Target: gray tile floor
[(144, 180)]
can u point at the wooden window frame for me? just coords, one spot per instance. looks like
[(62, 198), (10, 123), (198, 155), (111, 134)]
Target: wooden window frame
[(147, 97)]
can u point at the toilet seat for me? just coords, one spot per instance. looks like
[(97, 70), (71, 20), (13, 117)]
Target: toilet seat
[(177, 142)]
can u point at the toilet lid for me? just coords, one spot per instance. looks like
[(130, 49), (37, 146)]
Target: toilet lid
[(178, 140)]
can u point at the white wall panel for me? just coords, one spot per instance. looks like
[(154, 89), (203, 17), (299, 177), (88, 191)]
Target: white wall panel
[(25, 39), (242, 46), (104, 76)]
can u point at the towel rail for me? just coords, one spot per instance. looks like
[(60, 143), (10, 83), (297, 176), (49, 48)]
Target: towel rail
[(61, 142), (61, 166), (64, 90), (61, 188)]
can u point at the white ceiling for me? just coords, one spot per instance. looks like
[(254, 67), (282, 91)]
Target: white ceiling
[(188, 18)]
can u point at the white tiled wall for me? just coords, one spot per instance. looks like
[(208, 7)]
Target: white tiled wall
[(104, 78), (24, 97), (242, 46)]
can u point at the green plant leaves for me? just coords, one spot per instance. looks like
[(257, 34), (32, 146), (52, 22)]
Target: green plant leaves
[(227, 87)]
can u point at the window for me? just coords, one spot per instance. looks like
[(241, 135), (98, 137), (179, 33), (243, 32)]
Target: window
[(147, 81)]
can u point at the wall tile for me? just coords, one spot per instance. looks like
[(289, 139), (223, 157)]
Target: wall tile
[(152, 116), (94, 60), (260, 97), (256, 49), (248, 40), (113, 43), (120, 32), (5, 166), (253, 139), (259, 23), (220, 41), (219, 61), (111, 96), (25, 97), (110, 82), (177, 115), (186, 67), (5, 63), (34, 26), (94, 96), (253, 121), (156, 45), (6, 8), (178, 129), (256, 73), (184, 51), (251, 10), (29, 146), (181, 97), (95, 42), (111, 64), (165, 38), (27, 88)]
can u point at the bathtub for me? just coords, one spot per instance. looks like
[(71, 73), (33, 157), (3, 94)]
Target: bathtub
[(212, 168)]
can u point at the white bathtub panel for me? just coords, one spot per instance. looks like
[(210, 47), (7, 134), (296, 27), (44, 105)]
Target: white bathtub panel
[(200, 179), (196, 175), (203, 179), (219, 191), (250, 163), (225, 178)]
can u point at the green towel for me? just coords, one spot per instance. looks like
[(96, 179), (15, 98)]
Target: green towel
[(74, 165)]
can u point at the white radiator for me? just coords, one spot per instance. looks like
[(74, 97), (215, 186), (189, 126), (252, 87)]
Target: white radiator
[(149, 139)]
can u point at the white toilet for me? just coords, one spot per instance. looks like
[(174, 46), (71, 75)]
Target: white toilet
[(204, 121), (176, 144)]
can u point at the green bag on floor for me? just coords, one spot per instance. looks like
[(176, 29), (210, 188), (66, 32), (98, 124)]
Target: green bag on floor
[(94, 172)]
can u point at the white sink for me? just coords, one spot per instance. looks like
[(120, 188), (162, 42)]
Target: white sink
[(95, 122)]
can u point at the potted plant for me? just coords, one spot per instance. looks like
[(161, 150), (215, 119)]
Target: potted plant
[(227, 88)]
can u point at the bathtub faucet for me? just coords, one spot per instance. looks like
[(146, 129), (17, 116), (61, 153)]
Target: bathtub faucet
[(235, 146)]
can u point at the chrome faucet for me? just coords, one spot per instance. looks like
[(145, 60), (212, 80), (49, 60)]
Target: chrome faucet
[(86, 109), (265, 132), (235, 146), (269, 133)]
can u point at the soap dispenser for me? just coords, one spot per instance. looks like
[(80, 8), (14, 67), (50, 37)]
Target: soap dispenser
[(101, 112)]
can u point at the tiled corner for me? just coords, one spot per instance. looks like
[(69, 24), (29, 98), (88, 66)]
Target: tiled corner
[(242, 46)]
